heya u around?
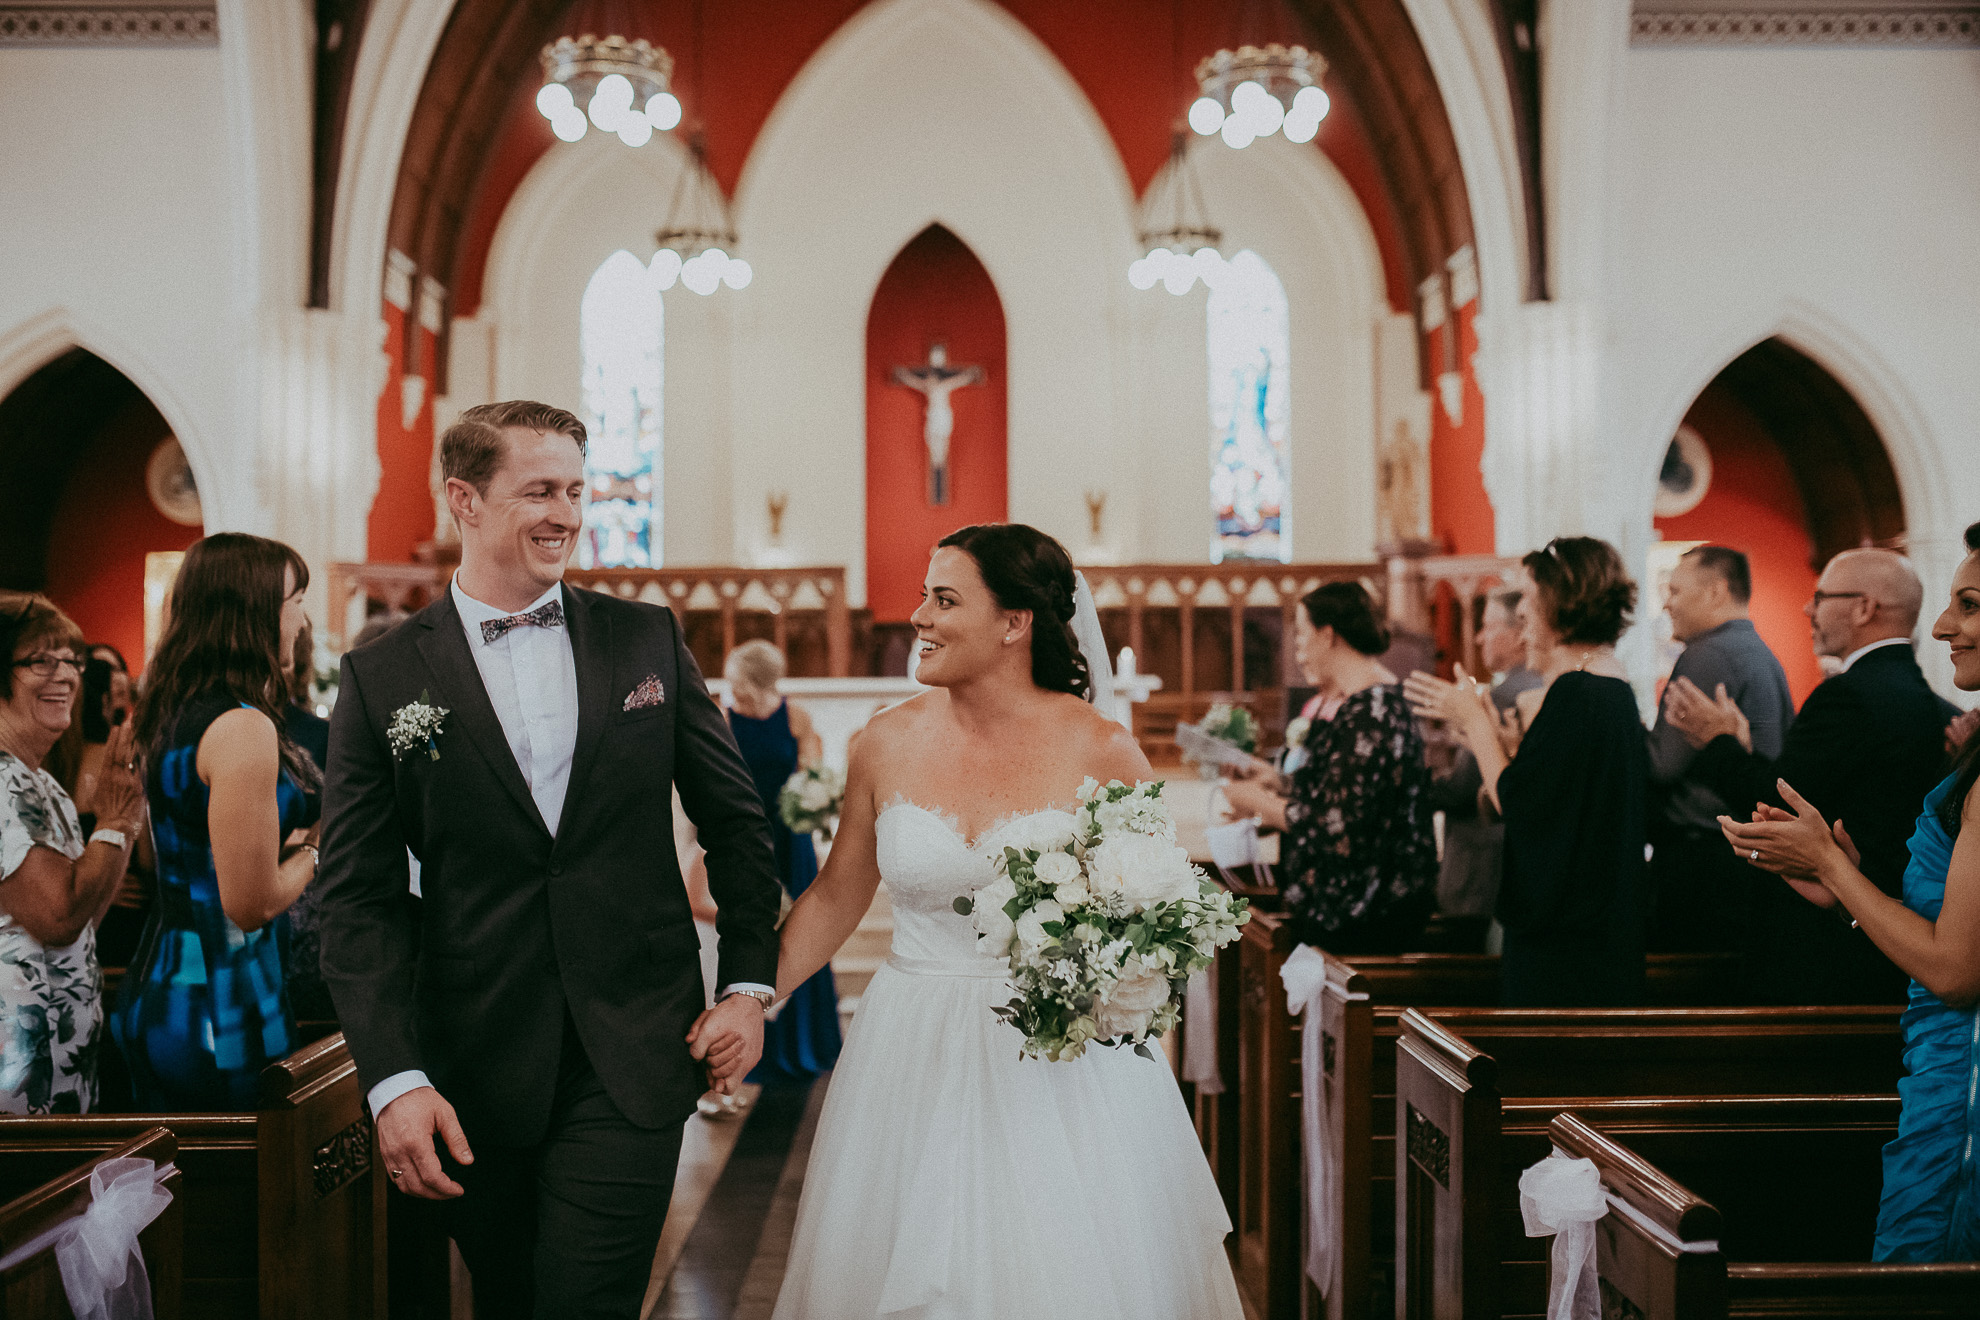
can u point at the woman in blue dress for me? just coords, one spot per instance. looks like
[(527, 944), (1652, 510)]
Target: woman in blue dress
[(776, 738), (204, 1007), (1931, 1203)]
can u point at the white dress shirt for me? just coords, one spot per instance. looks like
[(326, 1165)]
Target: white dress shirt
[(1862, 651), (530, 675)]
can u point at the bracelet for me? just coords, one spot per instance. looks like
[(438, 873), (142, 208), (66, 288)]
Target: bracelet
[(315, 857)]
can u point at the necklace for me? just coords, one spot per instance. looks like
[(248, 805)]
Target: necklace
[(1582, 665)]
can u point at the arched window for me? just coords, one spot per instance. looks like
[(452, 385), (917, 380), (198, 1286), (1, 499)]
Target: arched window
[(1250, 406), (621, 331)]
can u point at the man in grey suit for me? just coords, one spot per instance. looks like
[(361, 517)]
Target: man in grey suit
[(1701, 899), (533, 1008)]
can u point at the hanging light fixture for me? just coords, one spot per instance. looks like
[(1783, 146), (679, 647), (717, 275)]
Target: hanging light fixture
[(619, 85), (1174, 229), (696, 242), (1256, 91)]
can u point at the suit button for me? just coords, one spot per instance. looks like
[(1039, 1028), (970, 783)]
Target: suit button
[(555, 869)]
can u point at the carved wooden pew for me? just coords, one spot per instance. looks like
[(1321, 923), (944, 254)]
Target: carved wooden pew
[(285, 1206), (1672, 1253), (1459, 1246), (31, 1289)]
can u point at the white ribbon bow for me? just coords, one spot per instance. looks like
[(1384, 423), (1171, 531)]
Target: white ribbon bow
[(102, 1268), (1563, 1197), (1305, 976)]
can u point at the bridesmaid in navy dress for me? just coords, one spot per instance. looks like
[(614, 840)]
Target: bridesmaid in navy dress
[(776, 737), (205, 1006)]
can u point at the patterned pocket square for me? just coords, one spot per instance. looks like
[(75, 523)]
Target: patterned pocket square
[(650, 692)]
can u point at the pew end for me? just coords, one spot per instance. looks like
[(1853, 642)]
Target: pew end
[(1448, 1269), (31, 1289)]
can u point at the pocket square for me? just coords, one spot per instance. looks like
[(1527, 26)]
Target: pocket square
[(650, 692)]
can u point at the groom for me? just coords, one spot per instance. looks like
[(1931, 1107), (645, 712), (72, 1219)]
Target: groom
[(531, 1011)]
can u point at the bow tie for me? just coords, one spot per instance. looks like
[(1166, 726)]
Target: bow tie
[(550, 614)]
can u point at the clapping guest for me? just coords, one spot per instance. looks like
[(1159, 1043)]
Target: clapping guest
[(1358, 861), (1865, 749), (107, 698), (205, 1008), (776, 738), (1571, 899), (1931, 1201), (55, 882)]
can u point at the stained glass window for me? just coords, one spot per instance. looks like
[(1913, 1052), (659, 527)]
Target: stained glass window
[(621, 331), (1250, 405)]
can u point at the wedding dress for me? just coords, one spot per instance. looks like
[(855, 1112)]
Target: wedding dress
[(950, 1178)]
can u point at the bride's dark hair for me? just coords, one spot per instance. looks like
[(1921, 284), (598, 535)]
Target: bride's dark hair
[(1028, 570)]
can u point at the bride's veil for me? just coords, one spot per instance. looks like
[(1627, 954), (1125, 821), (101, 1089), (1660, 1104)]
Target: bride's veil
[(1093, 645)]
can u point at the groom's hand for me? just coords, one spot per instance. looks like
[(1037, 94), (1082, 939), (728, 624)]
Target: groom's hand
[(405, 1139), (728, 1040)]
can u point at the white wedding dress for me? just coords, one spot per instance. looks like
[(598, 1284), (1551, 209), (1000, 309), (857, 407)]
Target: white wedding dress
[(949, 1178)]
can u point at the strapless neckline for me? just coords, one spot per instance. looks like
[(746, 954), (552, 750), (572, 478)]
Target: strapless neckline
[(953, 824)]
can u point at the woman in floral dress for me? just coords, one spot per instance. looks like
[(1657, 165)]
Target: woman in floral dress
[(54, 883)]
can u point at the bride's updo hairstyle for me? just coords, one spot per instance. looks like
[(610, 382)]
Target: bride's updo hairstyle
[(1028, 570)]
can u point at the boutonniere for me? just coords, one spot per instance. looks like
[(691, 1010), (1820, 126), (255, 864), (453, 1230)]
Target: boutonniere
[(414, 725)]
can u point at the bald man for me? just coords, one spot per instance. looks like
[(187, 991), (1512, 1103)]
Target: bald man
[(1868, 745)]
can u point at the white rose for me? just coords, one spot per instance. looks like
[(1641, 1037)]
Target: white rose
[(1132, 1002), (1073, 893), (1047, 831), (1145, 869), (1056, 868), (816, 795), (988, 915), (1031, 933)]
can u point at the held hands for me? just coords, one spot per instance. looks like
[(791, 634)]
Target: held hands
[(1701, 718), (405, 1140), (728, 1040)]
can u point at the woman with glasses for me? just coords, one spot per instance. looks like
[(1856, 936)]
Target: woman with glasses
[(205, 1005), (54, 882)]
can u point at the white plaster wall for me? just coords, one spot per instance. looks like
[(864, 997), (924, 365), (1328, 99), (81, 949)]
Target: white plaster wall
[(116, 225), (1831, 197)]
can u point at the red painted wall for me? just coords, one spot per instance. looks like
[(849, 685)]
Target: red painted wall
[(105, 524), (1754, 505), (1460, 512), (402, 511), (936, 291)]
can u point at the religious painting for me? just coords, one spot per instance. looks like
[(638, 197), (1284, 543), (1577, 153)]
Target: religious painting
[(621, 332), (1250, 411)]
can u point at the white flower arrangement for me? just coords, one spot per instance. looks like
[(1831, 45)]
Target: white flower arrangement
[(1232, 724), (416, 726), (1102, 927), (812, 799)]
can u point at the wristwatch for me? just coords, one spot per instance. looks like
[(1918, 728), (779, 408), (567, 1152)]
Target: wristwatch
[(763, 997), (115, 838)]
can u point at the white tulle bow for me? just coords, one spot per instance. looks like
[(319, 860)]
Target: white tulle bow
[(1305, 976), (102, 1267), (1563, 1197)]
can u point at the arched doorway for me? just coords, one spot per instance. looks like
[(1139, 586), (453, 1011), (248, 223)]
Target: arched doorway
[(935, 301), (76, 441), (1794, 471)]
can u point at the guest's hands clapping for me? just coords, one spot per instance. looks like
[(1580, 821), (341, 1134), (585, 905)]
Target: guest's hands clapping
[(728, 1040), (117, 793), (1463, 705), (1701, 718), (1960, 729), (1795, 845)]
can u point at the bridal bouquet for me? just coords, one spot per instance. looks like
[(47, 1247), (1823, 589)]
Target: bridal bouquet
[(811, 799), (1103, 922)]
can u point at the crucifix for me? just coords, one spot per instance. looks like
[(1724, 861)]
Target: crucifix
[(937, 380)]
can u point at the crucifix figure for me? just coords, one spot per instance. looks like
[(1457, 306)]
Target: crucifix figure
[(938, 380)]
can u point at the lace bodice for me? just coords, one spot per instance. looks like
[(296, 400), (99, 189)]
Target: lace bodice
[(927, 864)]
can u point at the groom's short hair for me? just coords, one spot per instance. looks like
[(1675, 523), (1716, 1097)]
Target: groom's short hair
[(472, 448)]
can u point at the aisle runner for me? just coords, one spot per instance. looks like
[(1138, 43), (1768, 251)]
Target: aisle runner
[(773, 1249)]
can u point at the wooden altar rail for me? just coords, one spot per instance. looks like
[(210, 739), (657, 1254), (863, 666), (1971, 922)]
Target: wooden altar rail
[(727, 592)]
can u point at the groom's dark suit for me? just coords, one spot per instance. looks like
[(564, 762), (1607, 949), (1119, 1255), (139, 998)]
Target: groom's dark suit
[(546, 980)]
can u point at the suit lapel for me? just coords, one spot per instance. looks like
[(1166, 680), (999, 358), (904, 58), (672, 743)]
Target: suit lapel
[(591, 648), (457, 686)]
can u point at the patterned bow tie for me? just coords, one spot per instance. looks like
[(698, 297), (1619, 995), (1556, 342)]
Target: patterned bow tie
[(550, 614)]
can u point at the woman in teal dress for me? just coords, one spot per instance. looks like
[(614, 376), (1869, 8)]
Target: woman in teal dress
[(775, 737), (204, 1007), (1931, 1203)]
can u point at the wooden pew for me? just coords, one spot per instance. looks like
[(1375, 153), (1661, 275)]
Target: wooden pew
[(1253, 1128), (1681, 1255), (286, 1205), (32, 1288), (1463, 1142)]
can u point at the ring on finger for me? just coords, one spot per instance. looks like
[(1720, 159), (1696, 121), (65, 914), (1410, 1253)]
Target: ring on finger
[(1753, 856)]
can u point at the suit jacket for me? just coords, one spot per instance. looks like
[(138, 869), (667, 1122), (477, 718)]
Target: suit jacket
[(1867, 747), (517, 927)]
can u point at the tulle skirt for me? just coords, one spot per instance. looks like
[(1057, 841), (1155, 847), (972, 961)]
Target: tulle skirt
[(949, 1178)]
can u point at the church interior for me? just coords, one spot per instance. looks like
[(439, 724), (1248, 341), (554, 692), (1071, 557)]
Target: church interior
[(1236, 299)]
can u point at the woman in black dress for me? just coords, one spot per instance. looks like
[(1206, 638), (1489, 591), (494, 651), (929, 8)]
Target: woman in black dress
[(1358, 859), (1572, 899)]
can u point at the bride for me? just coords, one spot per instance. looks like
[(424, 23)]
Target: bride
[(950, 1178)]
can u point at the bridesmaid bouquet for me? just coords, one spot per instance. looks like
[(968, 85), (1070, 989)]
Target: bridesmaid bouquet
[(1232, 724), (812, 799), (1103, 922)]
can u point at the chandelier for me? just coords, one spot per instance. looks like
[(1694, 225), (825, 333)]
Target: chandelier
[(616, 84), (1256, 91), (695, 243), (1175, 231)]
